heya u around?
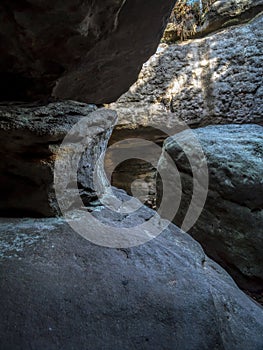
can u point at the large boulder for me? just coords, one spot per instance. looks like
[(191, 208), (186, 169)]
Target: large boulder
[(81, 50), (230, 225), (59, 291), (30, 137)]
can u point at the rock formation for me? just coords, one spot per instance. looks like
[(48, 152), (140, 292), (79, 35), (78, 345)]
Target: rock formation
[(213, 80), (80, 50), (230, 225), (30, 137), (62, 292)]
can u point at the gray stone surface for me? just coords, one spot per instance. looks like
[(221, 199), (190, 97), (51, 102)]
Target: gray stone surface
[(86, 50), (214, 80), (59, 291), (30, 136), (230, 227)]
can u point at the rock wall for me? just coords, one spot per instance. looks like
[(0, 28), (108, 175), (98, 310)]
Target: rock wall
[(214, 80), (90, 51), (208, 81)]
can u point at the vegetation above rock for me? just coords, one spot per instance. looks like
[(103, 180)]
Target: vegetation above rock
[(186, 17)]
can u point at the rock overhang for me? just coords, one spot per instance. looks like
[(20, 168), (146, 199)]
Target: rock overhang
[(79, 50)]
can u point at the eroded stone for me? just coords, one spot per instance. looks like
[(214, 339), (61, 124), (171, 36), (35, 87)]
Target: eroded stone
[(30, 137)]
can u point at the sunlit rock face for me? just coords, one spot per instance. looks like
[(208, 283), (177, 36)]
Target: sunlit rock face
[(214, 80), (81, 50), (30, 139)]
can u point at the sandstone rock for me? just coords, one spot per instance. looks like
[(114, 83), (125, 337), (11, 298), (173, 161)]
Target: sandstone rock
[(30, 136), (230, 226), (60, 291), (79, 50), (215, 80)]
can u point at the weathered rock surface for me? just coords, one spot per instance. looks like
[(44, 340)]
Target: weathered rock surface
[(30, 136), (230, 226), (59, 291), (215, 80), (80, 50)]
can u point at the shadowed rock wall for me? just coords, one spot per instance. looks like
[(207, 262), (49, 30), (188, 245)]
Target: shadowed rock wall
[(30, 137), (90, 51)]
